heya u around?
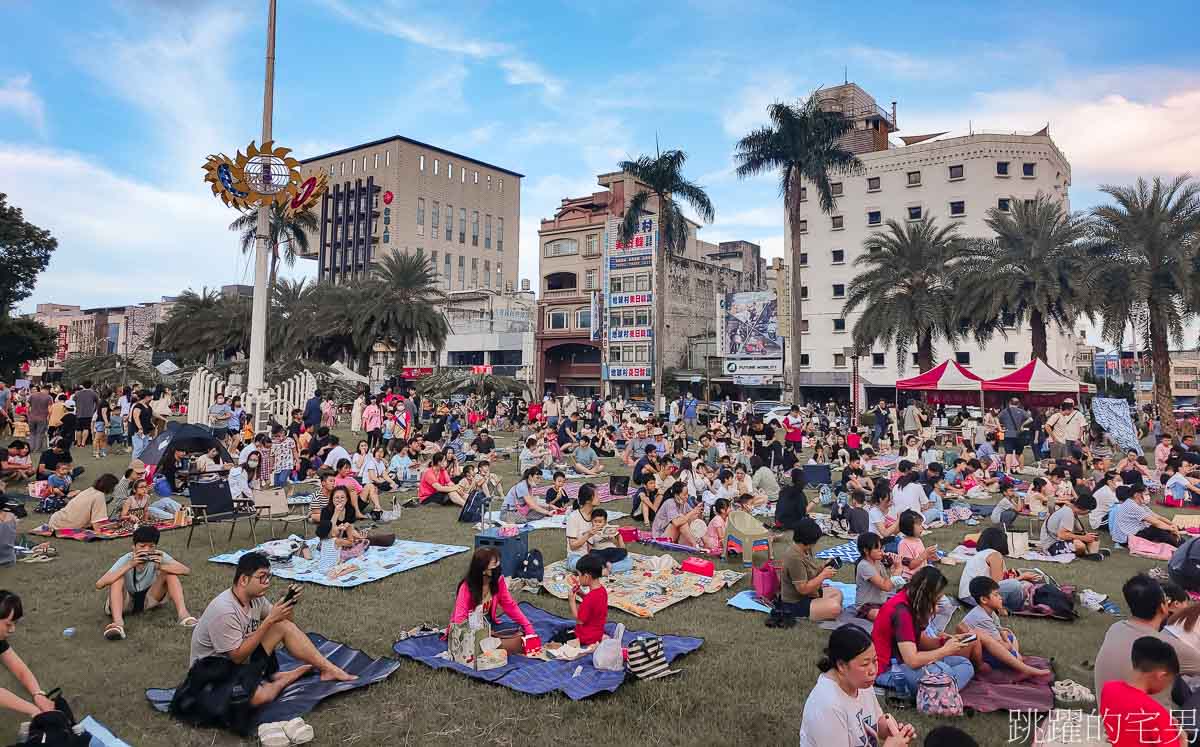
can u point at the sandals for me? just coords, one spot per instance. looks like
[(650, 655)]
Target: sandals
[(114, 632), (1070, 691), (189, 622)]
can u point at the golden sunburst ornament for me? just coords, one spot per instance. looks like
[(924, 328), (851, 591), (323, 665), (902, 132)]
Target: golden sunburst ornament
[(307, 194), (223, 174), (269, 174)]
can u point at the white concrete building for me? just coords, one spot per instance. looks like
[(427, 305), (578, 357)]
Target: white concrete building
[(948, 178)]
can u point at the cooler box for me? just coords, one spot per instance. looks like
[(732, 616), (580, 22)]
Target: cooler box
[(699, 566), (512, 549), (629, 534)]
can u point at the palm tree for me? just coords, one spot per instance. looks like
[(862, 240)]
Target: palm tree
[(1033, 269), (288, 231), (665, 184), (905, 283), (1149, 255), (206, 326), (400, 305), (803, 144), (294, 319)]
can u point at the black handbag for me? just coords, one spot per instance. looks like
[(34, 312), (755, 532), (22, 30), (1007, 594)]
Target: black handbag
[(618, 485)]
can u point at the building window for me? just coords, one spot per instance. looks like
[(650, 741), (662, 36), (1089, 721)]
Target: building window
[(614, 354), (1028, 169), (449, 222), (487, 232), (433, 261), (1010, 359), (643, 282), (874, 217), (836, 189), (803, 226), (837, 221), (343, 168), (462, 225), (804, 360), (563, 247), (446, 275), (643, 354), (614, 320), (914, 212), (420, 216), (803, 292), (803, 194), (839, 325), (435, 218), (474, 272), (489, 182), (462, 272), (839, 360), (1001, 168), (914, 178), (641, 318), (462, 175), (956, 172), (499, 234), (804, 259), (958, 207), (387, 158), (421, 162), (616, 284), (838, 256), (450, 171), (476, 177), (839, 290), (804, 326), (872, 184), (353, 165), (914, 359), (500, 185), (591, 246), (1002, 204), (589, 280), (376, 160), (877, 360), (583, 319), (487, 273), (500, 275), (962, 357), (435, 167), (557, 320), (474, 228)]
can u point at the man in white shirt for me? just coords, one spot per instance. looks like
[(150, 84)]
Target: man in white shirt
[(336, 454), (1065, 429)]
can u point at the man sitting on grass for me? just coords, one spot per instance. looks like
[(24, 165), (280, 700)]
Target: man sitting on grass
[(1063, 531), (142, 580)]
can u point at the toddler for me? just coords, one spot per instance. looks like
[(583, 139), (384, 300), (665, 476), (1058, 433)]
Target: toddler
[(913, 554), (872, 576), (607, 543), (714, 536), (556, 494)]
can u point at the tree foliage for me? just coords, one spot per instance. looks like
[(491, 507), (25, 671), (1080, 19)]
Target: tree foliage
[(23, 340), (25, 251), (287, 232)]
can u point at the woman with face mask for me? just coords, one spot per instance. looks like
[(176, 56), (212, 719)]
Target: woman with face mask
[(244, 478)]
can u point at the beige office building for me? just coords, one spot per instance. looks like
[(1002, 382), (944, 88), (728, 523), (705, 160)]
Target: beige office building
[(401, 195)]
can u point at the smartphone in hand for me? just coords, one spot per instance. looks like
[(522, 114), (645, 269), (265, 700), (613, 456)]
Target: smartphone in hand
[(292, 592)]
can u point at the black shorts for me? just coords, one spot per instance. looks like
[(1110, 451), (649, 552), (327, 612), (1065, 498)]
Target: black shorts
[(441, 499), (83, 426), (383, 486), (796, 609), (1012, 445)]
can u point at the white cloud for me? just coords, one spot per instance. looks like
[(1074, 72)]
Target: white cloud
[(18, 96), (749, 107), (523, 72), (120, 240)]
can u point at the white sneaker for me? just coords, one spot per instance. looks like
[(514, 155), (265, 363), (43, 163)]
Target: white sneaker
[(1092, 600)]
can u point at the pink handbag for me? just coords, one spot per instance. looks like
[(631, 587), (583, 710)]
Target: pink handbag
[(766, 581)]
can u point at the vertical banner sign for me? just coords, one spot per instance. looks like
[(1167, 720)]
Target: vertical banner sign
[(622, 262), (62, 342), (597, 311)]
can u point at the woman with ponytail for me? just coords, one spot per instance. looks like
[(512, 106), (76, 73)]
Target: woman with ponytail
[(520, 506), (842, 710)]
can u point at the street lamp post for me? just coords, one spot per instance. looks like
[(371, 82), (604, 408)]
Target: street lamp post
[(853, 354), (258, 318)]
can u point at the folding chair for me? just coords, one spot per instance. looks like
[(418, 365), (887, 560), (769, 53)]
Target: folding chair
[(270, 505), (212, 502)]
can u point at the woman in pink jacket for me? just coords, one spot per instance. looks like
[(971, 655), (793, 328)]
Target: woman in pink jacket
[(484, 586)]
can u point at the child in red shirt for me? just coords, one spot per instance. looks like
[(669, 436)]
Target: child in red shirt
[(1131, 717), (590, 614)]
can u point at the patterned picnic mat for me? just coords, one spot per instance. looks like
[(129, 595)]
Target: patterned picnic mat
[(108, 531), (573, 490), (643, 591), (374, 564)]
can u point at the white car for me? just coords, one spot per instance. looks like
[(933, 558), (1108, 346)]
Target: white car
[(775, 415)]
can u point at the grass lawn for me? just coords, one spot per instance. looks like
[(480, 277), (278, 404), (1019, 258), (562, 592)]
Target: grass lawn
[(746, 684)]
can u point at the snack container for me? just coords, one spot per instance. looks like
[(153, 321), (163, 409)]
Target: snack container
[(699, 566)]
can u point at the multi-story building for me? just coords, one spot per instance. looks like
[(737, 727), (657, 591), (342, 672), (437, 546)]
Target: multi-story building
[(127, 331), (401, 195), (946, 178), (570, 351), (1185, 377)]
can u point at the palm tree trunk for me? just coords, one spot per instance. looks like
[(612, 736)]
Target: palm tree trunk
[(793, 210), (1160, 361), (1037, 330), (660, 307), (925, 352), (274, 268)]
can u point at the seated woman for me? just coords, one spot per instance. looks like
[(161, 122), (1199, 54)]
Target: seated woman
[(743, 484), (520, 506), (10, 612), (802, 592), (88, 509), (375, 472), (436, 485), (1133, 468), (341, 513), (209, 463), (484, 588), (763, 479), (585, 458), (676, 521), (904, 649), (489, 482), (137, 505), (842, 708), (243, 479)]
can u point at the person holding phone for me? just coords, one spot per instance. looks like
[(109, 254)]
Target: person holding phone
[(241, 625), (142, 580), (802, 590)]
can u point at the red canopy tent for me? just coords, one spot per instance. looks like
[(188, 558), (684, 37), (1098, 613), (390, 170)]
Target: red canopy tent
[(1040, 383), (948, 383)]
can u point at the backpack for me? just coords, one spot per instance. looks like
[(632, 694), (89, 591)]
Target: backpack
[(50, 505), (937, 695), (1060, 603), (56, 728), (472, 510), (531, 567)]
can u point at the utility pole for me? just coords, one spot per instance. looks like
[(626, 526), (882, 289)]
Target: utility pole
[(259, 304)]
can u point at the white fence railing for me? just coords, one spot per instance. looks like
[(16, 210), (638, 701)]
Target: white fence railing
[(276, 402)]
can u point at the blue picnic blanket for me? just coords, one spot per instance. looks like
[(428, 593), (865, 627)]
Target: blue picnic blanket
[(303, 695), (749, 601), (375, 563), (101, 736), (537, 677), (847, 552)]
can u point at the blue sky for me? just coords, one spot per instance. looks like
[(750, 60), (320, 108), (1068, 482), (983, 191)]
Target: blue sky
[(108, 109)]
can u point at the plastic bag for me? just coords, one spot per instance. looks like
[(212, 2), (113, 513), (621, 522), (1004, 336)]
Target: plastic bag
[(608, 657)]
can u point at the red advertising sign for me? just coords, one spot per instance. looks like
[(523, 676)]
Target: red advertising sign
[(416, 372), (62, 342), (481, 369)]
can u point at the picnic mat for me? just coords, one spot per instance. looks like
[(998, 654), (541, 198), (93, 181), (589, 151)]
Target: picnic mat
[(558, 521), (572, 489), (109, 530), (374, 564), (576, 679), (303, 695), (749, 601), (644, 590), (847, 552), (996, 690)]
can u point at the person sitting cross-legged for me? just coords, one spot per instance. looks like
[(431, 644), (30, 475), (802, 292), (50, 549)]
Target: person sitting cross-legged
[(142, 580), (1134, 517)]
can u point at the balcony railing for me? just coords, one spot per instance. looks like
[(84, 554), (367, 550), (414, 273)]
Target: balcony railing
[(564, 293)]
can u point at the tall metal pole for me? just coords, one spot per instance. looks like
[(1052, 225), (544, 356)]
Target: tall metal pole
[(258, 319)]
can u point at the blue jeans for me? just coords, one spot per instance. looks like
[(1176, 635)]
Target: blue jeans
[(904, 679), (140, 442), (281, 477), (164, 508)]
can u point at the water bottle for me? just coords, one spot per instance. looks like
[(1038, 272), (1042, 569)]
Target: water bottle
[(69, 633)]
